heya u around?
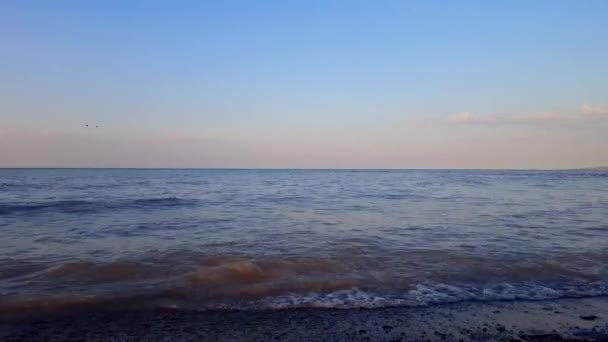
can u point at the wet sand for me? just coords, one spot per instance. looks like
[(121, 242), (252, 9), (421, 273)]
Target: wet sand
[(551, 320)]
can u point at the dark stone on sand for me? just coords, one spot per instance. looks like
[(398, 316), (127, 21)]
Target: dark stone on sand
[(441, 335), (542, 337), (592, 335), (500, 328), (588, 317)]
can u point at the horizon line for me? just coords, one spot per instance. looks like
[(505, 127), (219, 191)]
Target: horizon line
[(596, 168)]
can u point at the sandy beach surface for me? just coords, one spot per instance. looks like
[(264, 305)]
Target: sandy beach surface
[(583, 319)]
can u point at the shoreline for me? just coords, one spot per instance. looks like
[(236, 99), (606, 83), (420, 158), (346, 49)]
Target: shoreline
[(576, 319)]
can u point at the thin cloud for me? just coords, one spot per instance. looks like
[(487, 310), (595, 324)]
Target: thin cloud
[(466, 117), (586, 112), (594, 112)]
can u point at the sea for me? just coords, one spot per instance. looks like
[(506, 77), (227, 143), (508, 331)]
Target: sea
[(247, 239)]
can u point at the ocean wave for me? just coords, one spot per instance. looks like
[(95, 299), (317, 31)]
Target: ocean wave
[(64, 205), (349, 267), (163, 202), (426, 295), (422, 295), (395, 196), (19, 186), (82, 206), (217, 282)]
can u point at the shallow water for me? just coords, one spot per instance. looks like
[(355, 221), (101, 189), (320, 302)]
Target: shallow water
[(297, 238)]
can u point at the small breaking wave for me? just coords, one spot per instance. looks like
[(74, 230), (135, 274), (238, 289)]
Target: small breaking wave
[(421, 295), (429, 294)]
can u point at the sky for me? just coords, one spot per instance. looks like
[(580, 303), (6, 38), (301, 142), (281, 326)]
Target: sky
[(304, 84)]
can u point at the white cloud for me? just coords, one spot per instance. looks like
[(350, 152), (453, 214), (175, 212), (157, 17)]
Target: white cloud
[(462, 118), (593, 112), (586, 112), (470, 118)]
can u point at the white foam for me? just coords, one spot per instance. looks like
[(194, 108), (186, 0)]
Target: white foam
[(423, 295)]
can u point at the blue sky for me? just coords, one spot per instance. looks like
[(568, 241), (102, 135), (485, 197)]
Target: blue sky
[(519, 84)]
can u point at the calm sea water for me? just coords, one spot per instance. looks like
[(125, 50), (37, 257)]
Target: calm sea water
[(204, 239)]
